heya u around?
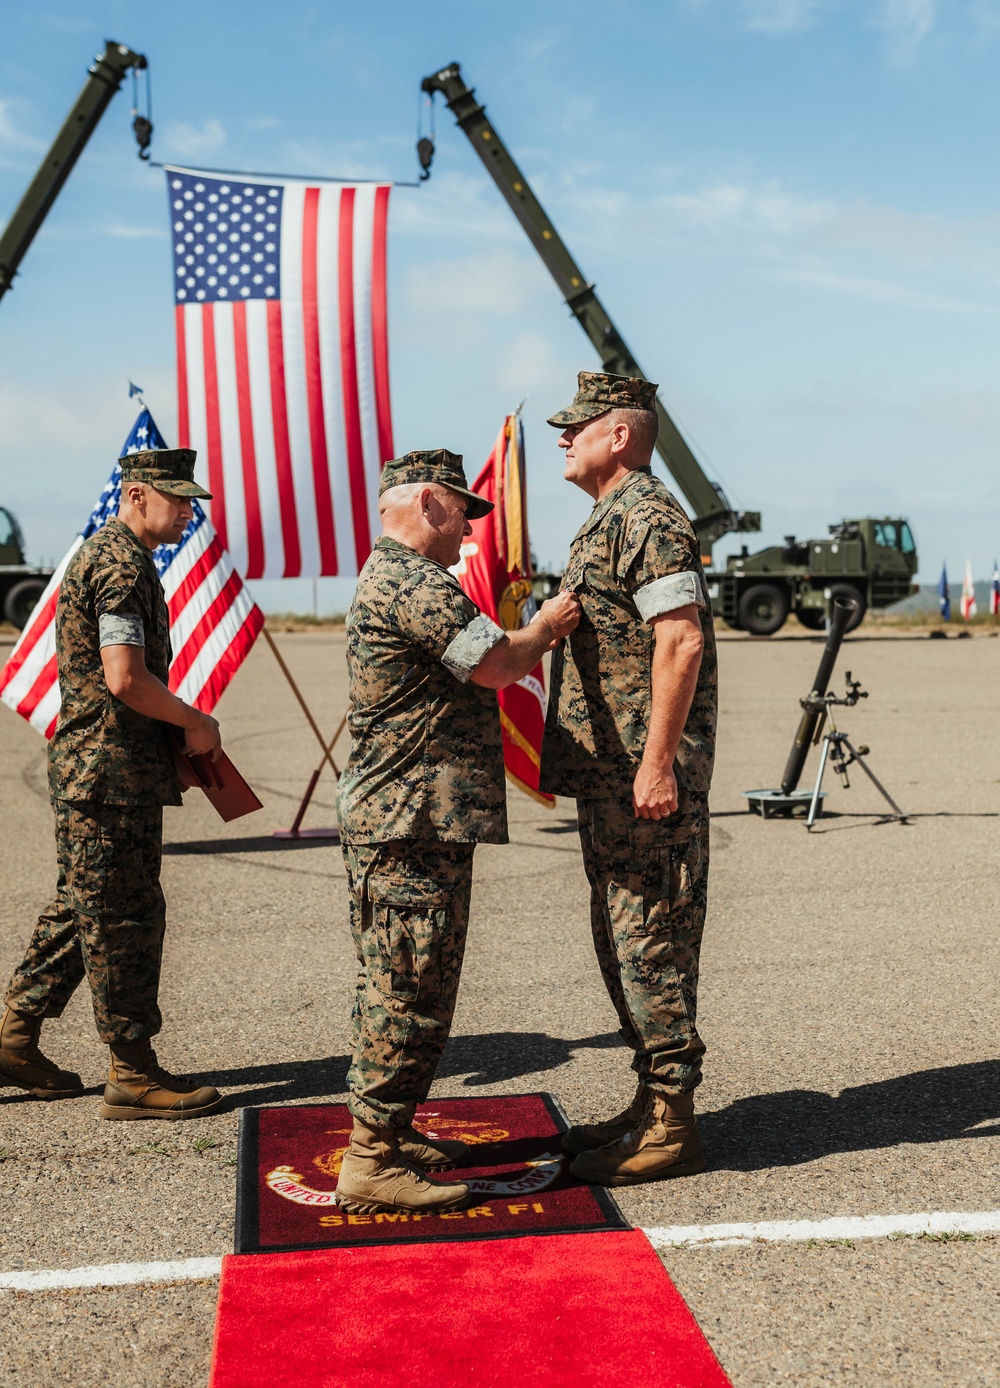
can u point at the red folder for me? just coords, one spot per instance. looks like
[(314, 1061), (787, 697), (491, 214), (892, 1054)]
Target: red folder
[(221, 782)]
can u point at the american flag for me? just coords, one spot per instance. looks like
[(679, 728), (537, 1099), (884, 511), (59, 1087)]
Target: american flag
[(213, 619), (283, 364)]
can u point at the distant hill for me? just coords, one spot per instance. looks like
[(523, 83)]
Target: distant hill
[(927, 599)]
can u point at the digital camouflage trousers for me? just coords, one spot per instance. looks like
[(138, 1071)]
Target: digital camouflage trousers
[(409, 918), (106, 921), (647, 910)]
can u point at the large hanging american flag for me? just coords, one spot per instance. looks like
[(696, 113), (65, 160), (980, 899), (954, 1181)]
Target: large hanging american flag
[(213, 619), (283, 364)]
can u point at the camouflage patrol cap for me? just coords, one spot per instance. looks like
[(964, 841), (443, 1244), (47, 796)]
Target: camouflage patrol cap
[(434, 465), (597, 392), (166, 469)]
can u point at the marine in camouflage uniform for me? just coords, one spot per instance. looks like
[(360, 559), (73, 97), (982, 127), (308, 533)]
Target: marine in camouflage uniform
[(635, 559), (111, 770), (423, 785), (412, 805)]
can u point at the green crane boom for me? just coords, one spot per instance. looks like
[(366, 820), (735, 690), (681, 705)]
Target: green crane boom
[(713, 516), (105, 77)]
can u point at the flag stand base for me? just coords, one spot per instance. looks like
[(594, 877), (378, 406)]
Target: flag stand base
[(332, 834), (296, 831)]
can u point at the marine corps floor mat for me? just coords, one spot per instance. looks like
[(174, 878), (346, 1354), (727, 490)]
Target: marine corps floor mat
[(289, 1159), (558, 1312)]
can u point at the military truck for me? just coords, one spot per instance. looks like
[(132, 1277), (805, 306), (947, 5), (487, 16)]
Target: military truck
[(871, 560), (20, 585)]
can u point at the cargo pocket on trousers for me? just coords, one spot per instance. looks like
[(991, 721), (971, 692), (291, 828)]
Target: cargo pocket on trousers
[(671, 874), (408, 921)]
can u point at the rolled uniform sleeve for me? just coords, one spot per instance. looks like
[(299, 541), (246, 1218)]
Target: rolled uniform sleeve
[(470, 645), (445, 622), (659, 566), (120, 629), (121, 613)]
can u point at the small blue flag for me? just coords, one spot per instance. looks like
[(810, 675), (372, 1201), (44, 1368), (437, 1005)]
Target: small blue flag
[(944, 599)]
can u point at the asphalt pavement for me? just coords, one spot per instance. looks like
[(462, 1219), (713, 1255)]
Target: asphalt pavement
[(848, 1000)]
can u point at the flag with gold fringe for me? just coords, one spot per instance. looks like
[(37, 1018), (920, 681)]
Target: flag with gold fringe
[(495, 570)]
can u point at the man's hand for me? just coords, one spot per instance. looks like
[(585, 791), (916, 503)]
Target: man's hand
[(560, 615), (519, 651), (654, 791), (128, 679), (203, 736)]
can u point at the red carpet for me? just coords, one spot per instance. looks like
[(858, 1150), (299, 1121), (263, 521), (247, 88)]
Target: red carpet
[(289, 1159), (563, 1311)]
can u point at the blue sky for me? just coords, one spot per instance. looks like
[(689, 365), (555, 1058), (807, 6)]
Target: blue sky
[(791, 208)]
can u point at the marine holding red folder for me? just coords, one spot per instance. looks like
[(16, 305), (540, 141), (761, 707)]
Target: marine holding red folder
[(111, 771)]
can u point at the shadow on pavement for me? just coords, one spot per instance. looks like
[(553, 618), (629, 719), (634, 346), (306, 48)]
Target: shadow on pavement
[(293, 1079), (263, 844), (488, 1059), (802, 1125), (504, 1055)]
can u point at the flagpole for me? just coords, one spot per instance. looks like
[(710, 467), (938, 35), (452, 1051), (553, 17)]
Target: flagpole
[(296, 831), (302, 703)]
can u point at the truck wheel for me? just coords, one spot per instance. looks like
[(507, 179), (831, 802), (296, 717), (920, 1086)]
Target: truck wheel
[(851, 594), (21, 599), (812, 617), (762, 609)]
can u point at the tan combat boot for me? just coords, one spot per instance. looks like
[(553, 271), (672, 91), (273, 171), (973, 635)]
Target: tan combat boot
[(374, 1176), (664, 1142), (138, 1088), (584, 1137), (432, 1153), (22, 1063)]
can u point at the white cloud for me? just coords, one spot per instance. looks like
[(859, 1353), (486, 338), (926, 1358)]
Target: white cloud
[(886, 292), (529, 366), (907, 24), (767, 208), (502, 283), (861, 247), (11, 133), (187, 141), (779, 16), (133, 233)]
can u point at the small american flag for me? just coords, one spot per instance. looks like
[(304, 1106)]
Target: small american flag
[(213, 619), (283, 364)]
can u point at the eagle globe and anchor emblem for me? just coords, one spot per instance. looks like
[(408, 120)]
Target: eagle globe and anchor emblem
[(537, 1175)]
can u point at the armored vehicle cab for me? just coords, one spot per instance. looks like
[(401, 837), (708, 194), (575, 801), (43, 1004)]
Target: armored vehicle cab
[(20, 585), (870, 560)]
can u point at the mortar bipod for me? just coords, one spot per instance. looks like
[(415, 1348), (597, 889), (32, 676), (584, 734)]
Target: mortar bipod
[(838, 748)]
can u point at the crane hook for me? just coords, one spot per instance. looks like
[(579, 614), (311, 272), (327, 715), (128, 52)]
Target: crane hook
[(425, 143), (142, 126), (425, 154)]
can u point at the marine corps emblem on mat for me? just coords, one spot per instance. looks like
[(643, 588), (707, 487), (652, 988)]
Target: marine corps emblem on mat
[(289, 1160)]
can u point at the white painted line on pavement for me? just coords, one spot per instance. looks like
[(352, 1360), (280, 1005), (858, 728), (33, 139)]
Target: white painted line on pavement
[(111, 1275), (846, 1227), (689, 1235)]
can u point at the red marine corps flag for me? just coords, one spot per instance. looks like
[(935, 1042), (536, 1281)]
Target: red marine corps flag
[(495, 571)]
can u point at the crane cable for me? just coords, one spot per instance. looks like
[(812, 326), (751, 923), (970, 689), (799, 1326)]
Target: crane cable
[(425, 143), (142, 125)]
